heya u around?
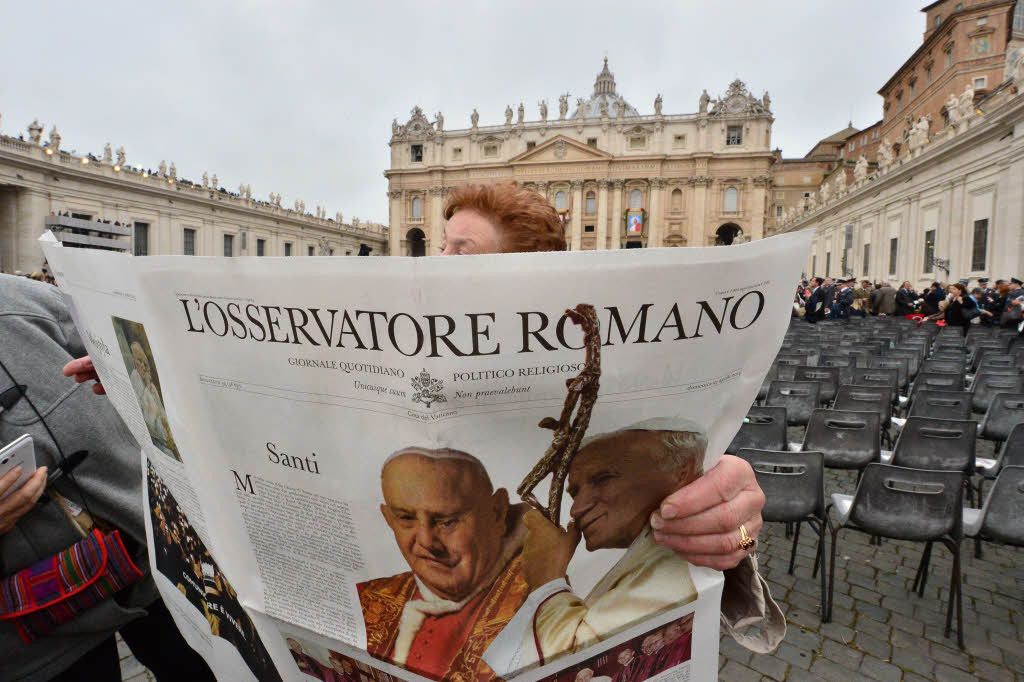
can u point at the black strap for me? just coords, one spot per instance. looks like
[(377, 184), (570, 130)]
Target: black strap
[(66, 464)]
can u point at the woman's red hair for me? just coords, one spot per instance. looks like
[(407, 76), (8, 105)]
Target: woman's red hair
[(525, 220)]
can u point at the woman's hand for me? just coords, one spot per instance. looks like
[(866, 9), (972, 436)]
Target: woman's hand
[(701, 521), (82, 370)]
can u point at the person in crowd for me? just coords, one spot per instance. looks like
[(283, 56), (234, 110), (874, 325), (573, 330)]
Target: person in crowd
[(616, 480), (304, 661), (886, 302), (462, 540), (843, 300), (981, 303), (698, 521), (961, 308), (932, 298), (905, 299), (814, 306), (862, 298), (677, 640), (828, 295), (39, 337), (627, 658)]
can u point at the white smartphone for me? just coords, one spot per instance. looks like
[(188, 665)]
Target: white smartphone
[(21, 453)]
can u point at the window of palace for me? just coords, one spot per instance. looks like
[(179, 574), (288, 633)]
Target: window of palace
[(561, 200), (982, 21), (416, 153), (807, 195), (980, 82), (732, 200), (417, 208), (938, 20), (636, 200), (229, 245), (677, 200), (913, 86), (867, 259), (734, 135), (928, 73), (456, 153), (592, 142), (948, 57), (979, 247), (678, 141), (490, 150), (591, 203), (874, 134), (530, 145), (828, 262), (141, 239), (348, 253), (188, 241), (287, 248), (588, 228), (637, 141), (309, 250), (929, 251), (261, 247), (893, 248), (778, 211), (330, 252)]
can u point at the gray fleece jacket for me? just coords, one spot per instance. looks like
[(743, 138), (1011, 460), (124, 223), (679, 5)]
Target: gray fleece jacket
[(37, 337)]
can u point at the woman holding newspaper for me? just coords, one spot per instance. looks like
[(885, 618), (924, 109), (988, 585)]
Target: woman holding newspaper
[(712, 521)]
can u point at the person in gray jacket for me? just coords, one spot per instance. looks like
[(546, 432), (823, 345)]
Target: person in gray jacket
[(38, 339), (885, 304)]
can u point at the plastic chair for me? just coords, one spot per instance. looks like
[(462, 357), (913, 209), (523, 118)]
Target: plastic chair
[(1010, 454), (763, 429), (934, 381), (794, 490), (939, 445), (939, 366), (847, 440), (1005, 412), (799, 398), (941, 404), (985, 387), (901, 365), (907, 504), (859, 398), (845, 365), (1001, 517), (890, 378), (912, 356), (826, 377)]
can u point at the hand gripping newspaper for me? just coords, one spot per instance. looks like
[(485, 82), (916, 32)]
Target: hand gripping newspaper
[(434, 468)]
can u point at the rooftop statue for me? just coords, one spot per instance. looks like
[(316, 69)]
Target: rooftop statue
[(543, 104), (508, 114), (522, 113), (967, 103), (953, 109), (120, 157), (704, 100), (657, 105), (35, 132), (206, 179), (174, 171), (563, 106), (766, 101), (440, 122), (860, 171), (474, 118), (162, 167), (108, 155), (55, 140)]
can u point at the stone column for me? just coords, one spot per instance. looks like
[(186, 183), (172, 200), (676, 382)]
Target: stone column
[(577, 215), (542, 188), (757, 215), (657, 226), (615, 226), (602, 214), (698, 210), (395, 217), (435, 236)]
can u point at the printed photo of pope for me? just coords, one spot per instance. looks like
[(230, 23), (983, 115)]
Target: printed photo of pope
[(461, 539), (616, 482)]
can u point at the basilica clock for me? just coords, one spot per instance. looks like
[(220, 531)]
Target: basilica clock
[(734, 104)]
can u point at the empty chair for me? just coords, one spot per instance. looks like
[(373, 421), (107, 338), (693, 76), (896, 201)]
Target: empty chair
[(858, 398), (1000, 361), (773, 373), (942, 366), (848, 440), (799, 398), (827, 377), (906, 504), (810, 351), (901, 365), (764, 428), (912, 356), (985, 386), (1005, 412), (941, 404), (845, 365), (1010, 454), (1001, 517), (932, 381), (794, 490), (889, 378), (937, 444), (786, 362)]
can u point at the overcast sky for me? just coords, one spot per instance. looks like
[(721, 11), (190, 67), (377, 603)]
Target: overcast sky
[(297, 97)]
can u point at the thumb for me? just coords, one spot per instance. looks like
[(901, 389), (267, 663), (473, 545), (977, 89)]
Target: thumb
[(573, 533), (533, 519)]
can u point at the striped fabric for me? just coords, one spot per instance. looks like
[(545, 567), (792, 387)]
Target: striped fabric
[(56, 589)]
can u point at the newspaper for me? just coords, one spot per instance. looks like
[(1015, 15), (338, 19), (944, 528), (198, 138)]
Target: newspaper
[(433, 468)]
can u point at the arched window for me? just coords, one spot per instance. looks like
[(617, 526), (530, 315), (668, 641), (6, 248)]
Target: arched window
[(636, 199), (417, 208), (591, 203), (560, 201), (677, 200), (732, 200)]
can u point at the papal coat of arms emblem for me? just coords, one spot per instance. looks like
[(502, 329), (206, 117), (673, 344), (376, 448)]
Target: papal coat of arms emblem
[(428, 390), (560, 149)]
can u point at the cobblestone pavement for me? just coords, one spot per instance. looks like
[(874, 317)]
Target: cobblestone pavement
[(879, 630)]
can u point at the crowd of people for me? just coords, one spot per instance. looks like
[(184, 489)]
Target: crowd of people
[(658, 651), (956, 304)]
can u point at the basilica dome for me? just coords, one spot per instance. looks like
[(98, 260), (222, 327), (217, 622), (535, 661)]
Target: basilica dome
[(604, 95)]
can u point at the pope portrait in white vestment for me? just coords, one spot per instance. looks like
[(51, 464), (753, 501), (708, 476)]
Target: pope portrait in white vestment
[(616, 481)]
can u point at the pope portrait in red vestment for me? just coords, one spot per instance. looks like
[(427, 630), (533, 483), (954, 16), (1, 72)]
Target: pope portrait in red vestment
[(461, 539)]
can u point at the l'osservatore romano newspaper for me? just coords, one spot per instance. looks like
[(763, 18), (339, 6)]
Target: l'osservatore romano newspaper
[(436, 468)]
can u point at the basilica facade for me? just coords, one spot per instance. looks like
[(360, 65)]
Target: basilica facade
[(619, 178)]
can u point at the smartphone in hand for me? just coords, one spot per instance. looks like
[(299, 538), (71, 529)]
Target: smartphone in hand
[(21, 452)]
